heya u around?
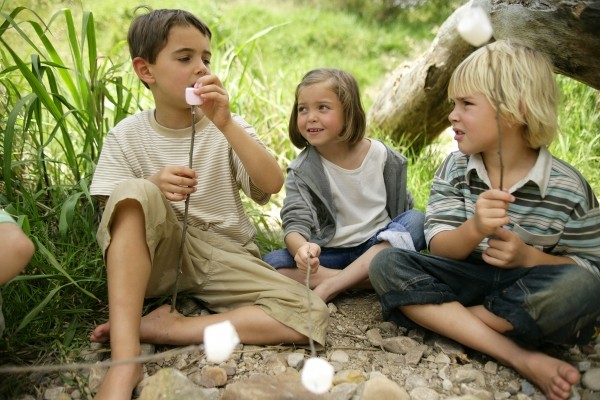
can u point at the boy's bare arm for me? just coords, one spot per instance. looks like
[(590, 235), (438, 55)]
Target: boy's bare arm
[(490, 213), (260, 164), (457, 243)]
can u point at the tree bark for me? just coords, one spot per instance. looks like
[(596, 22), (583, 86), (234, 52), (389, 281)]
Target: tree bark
[(413, 106)]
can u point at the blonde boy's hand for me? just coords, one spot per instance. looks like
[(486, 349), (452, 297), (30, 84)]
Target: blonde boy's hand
[(301, 256), (175, 182), (491, 211), (215, 100), (506, 250)]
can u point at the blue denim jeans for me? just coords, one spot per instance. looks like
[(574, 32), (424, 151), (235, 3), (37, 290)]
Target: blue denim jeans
[(410, 221), (556, 304)]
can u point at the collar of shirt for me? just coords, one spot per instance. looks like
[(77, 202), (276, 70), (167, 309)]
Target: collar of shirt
[(539, 174)]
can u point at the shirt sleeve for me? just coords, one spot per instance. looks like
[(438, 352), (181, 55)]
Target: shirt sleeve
[(241, 175), (113, 167), (447, 204)]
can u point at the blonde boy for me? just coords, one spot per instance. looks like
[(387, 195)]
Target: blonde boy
[(514, 267)]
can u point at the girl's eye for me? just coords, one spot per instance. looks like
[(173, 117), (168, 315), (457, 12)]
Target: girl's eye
[(206, 62), (301, 109), (323, 107)]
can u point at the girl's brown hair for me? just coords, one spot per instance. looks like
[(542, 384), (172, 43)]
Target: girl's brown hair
[(345, 87)]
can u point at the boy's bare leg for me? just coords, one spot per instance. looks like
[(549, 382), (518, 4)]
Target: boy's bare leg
[(354, 275), (16, 249), (554, 377), (252, 324), (128, 271), (316, 278)]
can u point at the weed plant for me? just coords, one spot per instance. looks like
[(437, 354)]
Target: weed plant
[(65, 80)]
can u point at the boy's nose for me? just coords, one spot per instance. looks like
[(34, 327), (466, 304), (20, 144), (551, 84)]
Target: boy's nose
[(202, 69), (453, 116)]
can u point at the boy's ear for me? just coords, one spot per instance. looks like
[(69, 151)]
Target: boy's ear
[(142, 70)]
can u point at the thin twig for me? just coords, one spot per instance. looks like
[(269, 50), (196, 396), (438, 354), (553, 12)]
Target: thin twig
[(498, 101), (185, 216), (313, 351)]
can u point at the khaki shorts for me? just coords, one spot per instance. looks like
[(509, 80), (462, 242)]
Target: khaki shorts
[(222, 274)]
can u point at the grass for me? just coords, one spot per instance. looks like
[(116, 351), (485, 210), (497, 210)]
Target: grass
[(65, 79)]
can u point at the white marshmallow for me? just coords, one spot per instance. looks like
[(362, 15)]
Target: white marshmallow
[(191, 98), (219, 341), (475, 26), (317, 375)]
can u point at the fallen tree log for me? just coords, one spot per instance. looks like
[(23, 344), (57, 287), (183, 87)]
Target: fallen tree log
[(413, 104)]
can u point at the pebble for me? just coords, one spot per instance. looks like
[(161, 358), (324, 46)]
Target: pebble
[(591, 379)]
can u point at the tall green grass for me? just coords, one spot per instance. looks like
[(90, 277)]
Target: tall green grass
[(65, 80)]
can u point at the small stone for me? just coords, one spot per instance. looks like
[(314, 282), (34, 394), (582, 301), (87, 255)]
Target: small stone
[(212, 376), (294, 359), (591, 379), (424, 393), (348, 376), (53, 393), (382, 388), (527, 388), (374, 337), (339, 356), (490, 367), (399, 344)]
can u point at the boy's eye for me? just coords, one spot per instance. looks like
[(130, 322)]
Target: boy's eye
[(206, 62)]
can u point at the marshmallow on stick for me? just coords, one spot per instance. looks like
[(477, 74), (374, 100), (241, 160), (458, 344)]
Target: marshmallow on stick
[(192, 98), (219, 341), (317, 375), (475, 26)]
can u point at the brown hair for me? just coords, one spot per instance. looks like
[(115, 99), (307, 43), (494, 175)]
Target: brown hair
[(148, 33), (345, 87)]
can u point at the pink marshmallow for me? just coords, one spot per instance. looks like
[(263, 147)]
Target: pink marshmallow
[(192, 98)]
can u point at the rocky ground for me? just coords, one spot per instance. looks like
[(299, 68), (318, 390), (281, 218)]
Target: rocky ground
[(372, 360)]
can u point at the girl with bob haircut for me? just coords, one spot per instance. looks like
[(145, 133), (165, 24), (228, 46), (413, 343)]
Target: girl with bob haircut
[(346, 195)]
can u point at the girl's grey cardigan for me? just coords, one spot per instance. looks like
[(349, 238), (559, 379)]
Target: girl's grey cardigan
[(308, 205)]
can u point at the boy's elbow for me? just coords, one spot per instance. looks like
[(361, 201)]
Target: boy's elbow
[(274, 185)]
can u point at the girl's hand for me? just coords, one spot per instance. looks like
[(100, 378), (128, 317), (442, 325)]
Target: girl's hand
[(176, 183), (506, 250), (491, 211), (302, 257)]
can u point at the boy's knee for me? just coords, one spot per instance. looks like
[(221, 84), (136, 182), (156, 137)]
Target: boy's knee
[(378, 268), (25, 249)]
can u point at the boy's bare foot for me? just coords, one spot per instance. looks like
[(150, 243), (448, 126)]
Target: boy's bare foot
[(152, 327), (119, 382), (554, 377)]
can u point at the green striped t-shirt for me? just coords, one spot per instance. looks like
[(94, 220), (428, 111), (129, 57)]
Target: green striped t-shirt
[(555, 209)]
